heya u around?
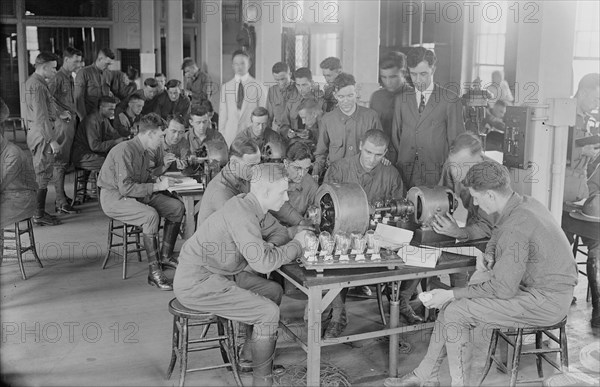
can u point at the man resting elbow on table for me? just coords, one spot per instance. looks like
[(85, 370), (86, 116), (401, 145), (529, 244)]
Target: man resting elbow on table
[(212, 275), (525, 278)]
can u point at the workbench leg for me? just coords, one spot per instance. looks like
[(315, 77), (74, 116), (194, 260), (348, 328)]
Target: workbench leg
[(394, 339), (190, 226), (313, 361)]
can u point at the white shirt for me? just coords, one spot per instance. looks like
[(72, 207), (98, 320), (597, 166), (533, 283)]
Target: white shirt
[(243, 78), (426, 94)]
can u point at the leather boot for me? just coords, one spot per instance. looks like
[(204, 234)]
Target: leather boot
[(263, 354), (156, 277), (593, 276), (41, 217), (170, 232), (62, 204), (408, 313)]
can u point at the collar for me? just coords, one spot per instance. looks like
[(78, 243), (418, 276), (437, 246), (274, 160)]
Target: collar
[(360, 169), (427, 92), (137, 144), (66, 72), (39, 77), (233, 179), (244, 78), (514, 201), (344, 117)]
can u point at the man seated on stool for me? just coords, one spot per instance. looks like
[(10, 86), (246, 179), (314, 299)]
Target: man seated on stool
[(130, 195), (95, 137), (174, 150), (530, 285), (212, 275), (380, 182)]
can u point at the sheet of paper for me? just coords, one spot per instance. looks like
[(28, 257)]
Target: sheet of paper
[(393, 237), (418, 256)]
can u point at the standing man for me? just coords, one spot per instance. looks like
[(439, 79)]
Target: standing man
[(306, 90), (342, 128), (331, 68), (161, 80), (42, 136), (258, 130), (62, 87), (173, 102), (309, 115), (130, 194), (391, 72), (125, 120), (526, 279), (92, 82), (239, 97), (279, 94), (426, 120), (213, 274), (198, 84)]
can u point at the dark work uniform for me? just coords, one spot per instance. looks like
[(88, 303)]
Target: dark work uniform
[(94, 139)]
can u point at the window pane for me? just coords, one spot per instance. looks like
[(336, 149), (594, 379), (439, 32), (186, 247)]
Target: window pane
[(68, 8), (189, 9), (7, 8), (9, 81)]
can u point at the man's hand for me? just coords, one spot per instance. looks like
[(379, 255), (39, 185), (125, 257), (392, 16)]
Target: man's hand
[(302, 237), (386, 162), (295, 230), (303, 134), (168, 159), (446, 225), (55, 147), (439, 298), (291, 134), (489, 261), (162, 183), (589, 151), (181, 164), (65, 116)]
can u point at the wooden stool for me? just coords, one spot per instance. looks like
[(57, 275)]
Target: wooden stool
[(80, 183), (20, 250), (540, 352), (183, 318), (130, 235), (576, 249)]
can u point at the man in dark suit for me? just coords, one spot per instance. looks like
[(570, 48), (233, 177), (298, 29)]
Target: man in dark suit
[(426, 120)]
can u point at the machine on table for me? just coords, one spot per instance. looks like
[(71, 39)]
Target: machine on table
[(207, 161)]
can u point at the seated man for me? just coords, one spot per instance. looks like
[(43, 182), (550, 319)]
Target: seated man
[(148, 93), (173, 103), (18, 187), (125, 119), (305, 89), (201, 129), (232, 180), (95, 137), (302, 191), (309, 113), (129, 194), (380, 182), (341, 129), (258, 131), (213, 277), (174, 149), (528, 286)]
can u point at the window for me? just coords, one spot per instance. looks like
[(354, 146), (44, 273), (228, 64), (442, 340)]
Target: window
[(67, 8), (489, 46), (586, 54)]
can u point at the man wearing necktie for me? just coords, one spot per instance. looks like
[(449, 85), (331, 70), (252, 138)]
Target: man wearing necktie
[(426, 121), (239, 97)]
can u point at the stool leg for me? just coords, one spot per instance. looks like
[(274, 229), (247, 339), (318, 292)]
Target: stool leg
[(174, 348), (380, 304), (538, 357), (183, 351), (138, 246), (32, 241), (19, 251), (564, 349), (516, 358), (232, 351), (489, 359), (109, 243), (1, 246), (125, 247), (223, 343)]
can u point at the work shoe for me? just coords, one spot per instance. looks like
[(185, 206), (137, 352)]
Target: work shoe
[(46, 220), (408, 313), (170, 232), (65, 208), (157, 278), (334, 330), (409, 380)]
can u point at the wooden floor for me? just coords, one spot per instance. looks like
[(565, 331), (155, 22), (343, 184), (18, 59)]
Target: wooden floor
[(73, 324)]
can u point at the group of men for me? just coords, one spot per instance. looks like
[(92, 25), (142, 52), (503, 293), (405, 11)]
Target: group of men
[(252, 218)]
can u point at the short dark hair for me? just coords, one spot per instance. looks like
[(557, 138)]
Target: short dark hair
[(177, 118), (303, 72), (70, 52), (199, 110), (240, 52), (280, 67), (150, 82), (151, 121), (172, 83), (419, 54), (393, 59), (107, 52), (299, 151), (331, 63), (309, 104), (135, 97), (158, 75), (589, 81), (343, 80), (243, 146), (466, 140), (106, 99), (133, 73), (260, 112), (376, 136), (45, 57), (187, 62), (500, 102), (488, 175), (207, 104)]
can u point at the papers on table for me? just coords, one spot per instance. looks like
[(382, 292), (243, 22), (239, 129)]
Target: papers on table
[(393, 237), (185, 184), (419, 256)]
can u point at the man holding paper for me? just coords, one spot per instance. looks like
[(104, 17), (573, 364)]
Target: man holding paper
[(527, 276), (130, 194)]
